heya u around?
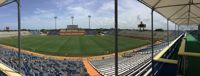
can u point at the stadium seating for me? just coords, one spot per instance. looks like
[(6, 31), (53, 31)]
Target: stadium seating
[(139, 63), (35, 32), (53, 32), (38, 66), (90, 32), (135, 65)]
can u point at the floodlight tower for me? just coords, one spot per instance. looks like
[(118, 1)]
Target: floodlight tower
[(89, 16), (55, 22), (72, 17)]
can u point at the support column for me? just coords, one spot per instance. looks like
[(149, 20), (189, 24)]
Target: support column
[(168, 31), (198, 32), (152, 48), (175, 29), (178, 29), (19, 34), (116, 37)]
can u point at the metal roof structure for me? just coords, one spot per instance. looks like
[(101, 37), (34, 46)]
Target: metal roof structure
[(180, 12), (5, 2)]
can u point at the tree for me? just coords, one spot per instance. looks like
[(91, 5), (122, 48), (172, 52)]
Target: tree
[(43, 30), (159, 29), (100, 30)]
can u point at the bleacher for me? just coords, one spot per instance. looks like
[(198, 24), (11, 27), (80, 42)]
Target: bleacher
[(136, 65), (53, 32), (35, 32), (90, 32), (38, 66), (127, 66), (157, 47)]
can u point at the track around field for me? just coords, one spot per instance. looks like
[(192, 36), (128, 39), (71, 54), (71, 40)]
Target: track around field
[(67, 58), (90, 69)]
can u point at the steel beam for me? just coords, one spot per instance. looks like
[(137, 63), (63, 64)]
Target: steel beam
[(176, 5), (116, 37), (168, 31), (19, 33), (152, 41), (177, 12), (189, 10)]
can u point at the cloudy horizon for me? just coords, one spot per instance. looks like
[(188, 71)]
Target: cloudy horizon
[(39, 14)]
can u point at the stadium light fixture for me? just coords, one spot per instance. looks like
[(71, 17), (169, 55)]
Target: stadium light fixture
[(72, 17), (89, 16), (55, 22)]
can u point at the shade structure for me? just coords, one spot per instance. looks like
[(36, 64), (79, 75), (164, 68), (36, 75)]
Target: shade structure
[(181, 12), (5, 2)]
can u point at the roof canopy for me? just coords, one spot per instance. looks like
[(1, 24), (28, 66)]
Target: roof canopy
[(181, 12), (5, 2)]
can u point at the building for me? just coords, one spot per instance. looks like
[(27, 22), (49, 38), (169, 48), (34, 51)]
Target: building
[(73, 27), (72, 30)]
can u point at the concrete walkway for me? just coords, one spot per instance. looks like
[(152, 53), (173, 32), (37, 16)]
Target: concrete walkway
[(8, 71), (90, 69)]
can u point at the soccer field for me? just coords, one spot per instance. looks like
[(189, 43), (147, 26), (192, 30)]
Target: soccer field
[(74, 45)]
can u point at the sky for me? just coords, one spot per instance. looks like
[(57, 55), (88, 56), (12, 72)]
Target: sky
[(39, 14)]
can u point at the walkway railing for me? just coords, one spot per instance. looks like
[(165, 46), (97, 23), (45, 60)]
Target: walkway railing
[(188, 67), (165, 62), (159, 56)]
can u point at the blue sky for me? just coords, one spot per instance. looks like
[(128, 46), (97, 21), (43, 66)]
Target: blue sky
[(39, 14)]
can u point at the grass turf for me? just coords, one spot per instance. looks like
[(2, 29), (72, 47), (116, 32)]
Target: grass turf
[(74, 45)]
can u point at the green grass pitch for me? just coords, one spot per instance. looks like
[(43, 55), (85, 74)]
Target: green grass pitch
[(74, 45)]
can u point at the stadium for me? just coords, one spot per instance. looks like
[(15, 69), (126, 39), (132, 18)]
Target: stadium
[(76, 51)]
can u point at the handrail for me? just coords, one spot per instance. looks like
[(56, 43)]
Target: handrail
[(182, 51), (159, 55), (148, 72)]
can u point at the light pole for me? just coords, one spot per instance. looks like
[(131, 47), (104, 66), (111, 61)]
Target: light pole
[(55, 22), (89, 20), (72, 17)]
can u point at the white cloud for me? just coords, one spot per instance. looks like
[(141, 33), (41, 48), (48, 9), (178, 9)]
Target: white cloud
[(102, 14), (40, 19), (62, 4)]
